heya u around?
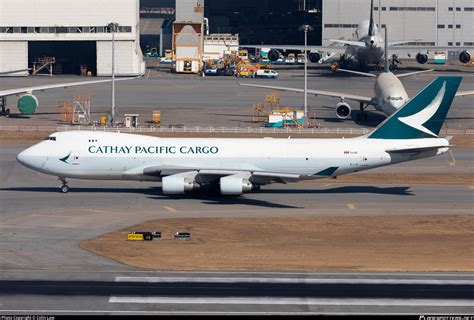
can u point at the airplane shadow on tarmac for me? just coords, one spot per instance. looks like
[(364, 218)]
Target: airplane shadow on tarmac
[(213, 199), (156, 191)]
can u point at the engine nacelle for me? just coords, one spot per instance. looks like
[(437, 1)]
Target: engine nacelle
[(273, 55), (233, 185), (422, 58), (314, 57), (177, 185), (27, 104), (464, 56), (343, 110)]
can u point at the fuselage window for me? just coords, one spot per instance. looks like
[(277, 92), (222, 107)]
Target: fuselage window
[(51, 138)]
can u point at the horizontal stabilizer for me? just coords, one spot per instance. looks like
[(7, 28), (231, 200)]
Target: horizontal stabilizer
[(416, 149), (349, 42)]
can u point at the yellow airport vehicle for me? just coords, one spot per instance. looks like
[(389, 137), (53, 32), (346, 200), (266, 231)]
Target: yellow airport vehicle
[(135, 237)]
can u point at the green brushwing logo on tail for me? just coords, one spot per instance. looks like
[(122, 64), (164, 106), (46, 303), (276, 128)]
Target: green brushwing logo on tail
[(423, 115)]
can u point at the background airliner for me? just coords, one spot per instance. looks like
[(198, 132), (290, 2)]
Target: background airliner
[(389, 92), (236, 166), (364, 50)]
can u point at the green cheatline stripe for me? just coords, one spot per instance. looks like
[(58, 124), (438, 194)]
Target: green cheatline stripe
[(326, 172)]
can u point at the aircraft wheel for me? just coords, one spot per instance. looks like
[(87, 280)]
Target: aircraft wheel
[(64, 188), (7, 113)]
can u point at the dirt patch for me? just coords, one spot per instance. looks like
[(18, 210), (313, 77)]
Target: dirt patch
[(381, 243), (31, 137)]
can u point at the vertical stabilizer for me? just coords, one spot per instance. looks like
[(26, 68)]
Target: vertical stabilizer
[(371, 23), (423, 115), (386, 50)]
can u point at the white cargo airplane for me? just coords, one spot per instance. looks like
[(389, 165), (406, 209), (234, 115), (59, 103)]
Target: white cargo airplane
[(389, 92), (366, 48), (28, 103), (242, 165)]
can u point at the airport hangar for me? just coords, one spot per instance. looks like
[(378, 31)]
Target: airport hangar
[(74, 33)]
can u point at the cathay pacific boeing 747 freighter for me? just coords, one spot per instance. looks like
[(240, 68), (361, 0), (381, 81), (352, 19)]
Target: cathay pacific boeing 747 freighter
[(243, 165)]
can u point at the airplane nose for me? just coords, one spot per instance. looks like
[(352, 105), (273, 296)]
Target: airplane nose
[(26, 159), (21, 158)]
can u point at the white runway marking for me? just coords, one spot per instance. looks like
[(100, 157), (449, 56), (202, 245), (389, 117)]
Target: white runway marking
[(293, 301), (291, 280), (171, 209)]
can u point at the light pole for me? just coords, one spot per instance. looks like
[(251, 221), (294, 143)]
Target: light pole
[(113, 26), (306, 28)]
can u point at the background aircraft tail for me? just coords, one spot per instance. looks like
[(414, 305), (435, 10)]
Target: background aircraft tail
[(423, 115), (371, 23)]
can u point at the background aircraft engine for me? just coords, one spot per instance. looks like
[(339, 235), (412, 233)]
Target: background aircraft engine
[(343, 110), (464, 57), (273, 55), (177, 185), (422, 58), (314, 57), (27, 104), (232, 185)]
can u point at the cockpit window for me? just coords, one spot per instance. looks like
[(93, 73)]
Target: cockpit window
[(50, 138)]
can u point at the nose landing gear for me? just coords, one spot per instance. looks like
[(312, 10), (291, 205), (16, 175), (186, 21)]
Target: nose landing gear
[(64, 188)]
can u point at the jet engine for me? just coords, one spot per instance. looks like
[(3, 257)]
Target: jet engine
[(464, 56), (27, 104), (177, 185), (234, 185), (422, 58), (343, 110), (314, 57), (273, 55)]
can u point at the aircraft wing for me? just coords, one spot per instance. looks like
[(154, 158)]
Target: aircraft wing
[(212, 174), (394, 48), (396, 43), (464, 93), (330, 48), (11, 92), (315, 92)]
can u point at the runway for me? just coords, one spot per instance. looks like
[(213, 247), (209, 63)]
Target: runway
[(142, 292)]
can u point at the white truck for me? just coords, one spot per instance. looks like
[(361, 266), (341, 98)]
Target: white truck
[(266, 73)]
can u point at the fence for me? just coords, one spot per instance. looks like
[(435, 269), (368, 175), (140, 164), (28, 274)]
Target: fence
[(195, 129)]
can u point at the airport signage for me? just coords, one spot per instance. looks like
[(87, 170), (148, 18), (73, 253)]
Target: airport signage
[(153, 149)]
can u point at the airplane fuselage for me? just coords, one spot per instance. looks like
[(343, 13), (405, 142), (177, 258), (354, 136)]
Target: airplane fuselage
[(390, 94), (373, 51), (119, 156)]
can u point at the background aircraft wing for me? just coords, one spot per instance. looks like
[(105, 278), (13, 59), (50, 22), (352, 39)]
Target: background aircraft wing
[(464, 93), (399, 42), (315, 92), (11, 92), (331, 48)]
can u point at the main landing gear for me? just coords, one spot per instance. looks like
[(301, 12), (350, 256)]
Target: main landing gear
[(64, 188), (362, 114), (3, 105)]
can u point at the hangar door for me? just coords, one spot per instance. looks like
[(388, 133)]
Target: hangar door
[(69, 55)]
